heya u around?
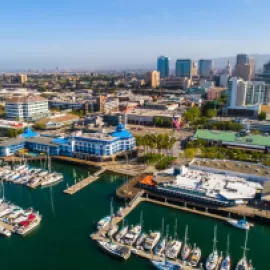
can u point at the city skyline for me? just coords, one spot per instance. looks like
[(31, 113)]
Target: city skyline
[(107, 35)]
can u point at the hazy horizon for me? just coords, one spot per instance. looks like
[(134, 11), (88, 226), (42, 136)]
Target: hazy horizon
[(121, 35)]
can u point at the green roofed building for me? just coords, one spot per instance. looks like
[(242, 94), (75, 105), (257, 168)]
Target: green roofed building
[(234, 139)]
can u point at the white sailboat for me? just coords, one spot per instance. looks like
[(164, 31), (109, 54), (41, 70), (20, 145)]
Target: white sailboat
[(162, 243), (212, 260), (226, 263), (186, 250), (243, 264)]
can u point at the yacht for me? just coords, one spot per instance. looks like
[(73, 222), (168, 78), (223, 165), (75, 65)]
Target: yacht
[(132, 235), (186, 250), (152, 240), (243, 264), (165, 265), (160, 247), (103, 222), (5, 232), (172, 249), (115, 249), (226, 263), (240, 224), (195, 257), (121, 234), (28, 225), (212, 260), (52, 179), (141, 240)]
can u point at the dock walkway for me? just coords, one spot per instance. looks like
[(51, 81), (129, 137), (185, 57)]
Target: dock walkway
[(82, 184)]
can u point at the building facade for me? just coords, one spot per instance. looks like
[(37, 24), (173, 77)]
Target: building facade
[(91, 145), (153, 79), (163, 66), (184, 68), (246, 93), (206, 68), (242, 59), (28, 108)]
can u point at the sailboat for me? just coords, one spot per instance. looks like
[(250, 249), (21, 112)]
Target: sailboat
[(52, 178), (162, 243), (243, 264), (112, 228), (195, 256), (226, 263), (174, 246), (165, 265), (120, 235), (186, 250), (212, 260)]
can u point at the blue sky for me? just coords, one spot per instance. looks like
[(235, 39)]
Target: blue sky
[(128, 34)]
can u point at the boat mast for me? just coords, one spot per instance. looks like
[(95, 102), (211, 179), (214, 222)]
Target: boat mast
[(175, 229), (111, 212), (162, 227), (141, 219), (3, 190), (186, 235), (74, 176), (228, 245), (245, 246), (215, 239)]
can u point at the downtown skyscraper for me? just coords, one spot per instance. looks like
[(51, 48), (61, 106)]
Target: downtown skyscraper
[(163, 66)]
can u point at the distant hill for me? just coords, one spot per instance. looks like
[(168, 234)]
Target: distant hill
[(260, 60)]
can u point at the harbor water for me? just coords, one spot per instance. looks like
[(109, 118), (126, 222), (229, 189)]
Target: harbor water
[(62, 239)]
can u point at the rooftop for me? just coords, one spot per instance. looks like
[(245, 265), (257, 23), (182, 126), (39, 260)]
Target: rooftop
[(152, 113), (26, 99), (230, 136)]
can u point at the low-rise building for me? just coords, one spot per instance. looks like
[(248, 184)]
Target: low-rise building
[(215, 92), (29, 108)]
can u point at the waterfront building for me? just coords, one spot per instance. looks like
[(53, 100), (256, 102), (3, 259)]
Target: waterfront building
[(206, 68), (184, 68), (87, 145), (163, 66), (153, 79), (203, 187), (27, 108)]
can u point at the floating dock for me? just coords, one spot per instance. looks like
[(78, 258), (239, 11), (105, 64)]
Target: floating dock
[(82, 184)]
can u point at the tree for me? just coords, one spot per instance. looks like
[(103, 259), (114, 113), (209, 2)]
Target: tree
[(39, 126), (192, 114), (211, 113), (190, 153), (262, 116)]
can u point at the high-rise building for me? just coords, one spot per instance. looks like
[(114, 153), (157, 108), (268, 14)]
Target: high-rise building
[(194, 69), (247, 93), (242, 59), (183, 68), (245, 67), (206, 68), (153, 78), (163, 66)]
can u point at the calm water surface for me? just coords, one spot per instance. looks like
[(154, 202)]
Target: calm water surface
[(62, 240)]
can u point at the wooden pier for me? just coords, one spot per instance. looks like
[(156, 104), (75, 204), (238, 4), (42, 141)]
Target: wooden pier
[(82, 184)]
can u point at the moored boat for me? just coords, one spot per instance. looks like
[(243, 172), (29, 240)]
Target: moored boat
[(240, 224), (121, 234), (132, 235), (115, 250), (165, 265), (212, 260), (185, 252), (160, 247), (195, 257), (5, 232), (226, 263), (151, 240)]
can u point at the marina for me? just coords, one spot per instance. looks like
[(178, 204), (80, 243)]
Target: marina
[(88, 206)]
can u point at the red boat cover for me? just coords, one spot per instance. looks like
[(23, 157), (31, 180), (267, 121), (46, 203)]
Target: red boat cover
[(24, 223), (31, 217)]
